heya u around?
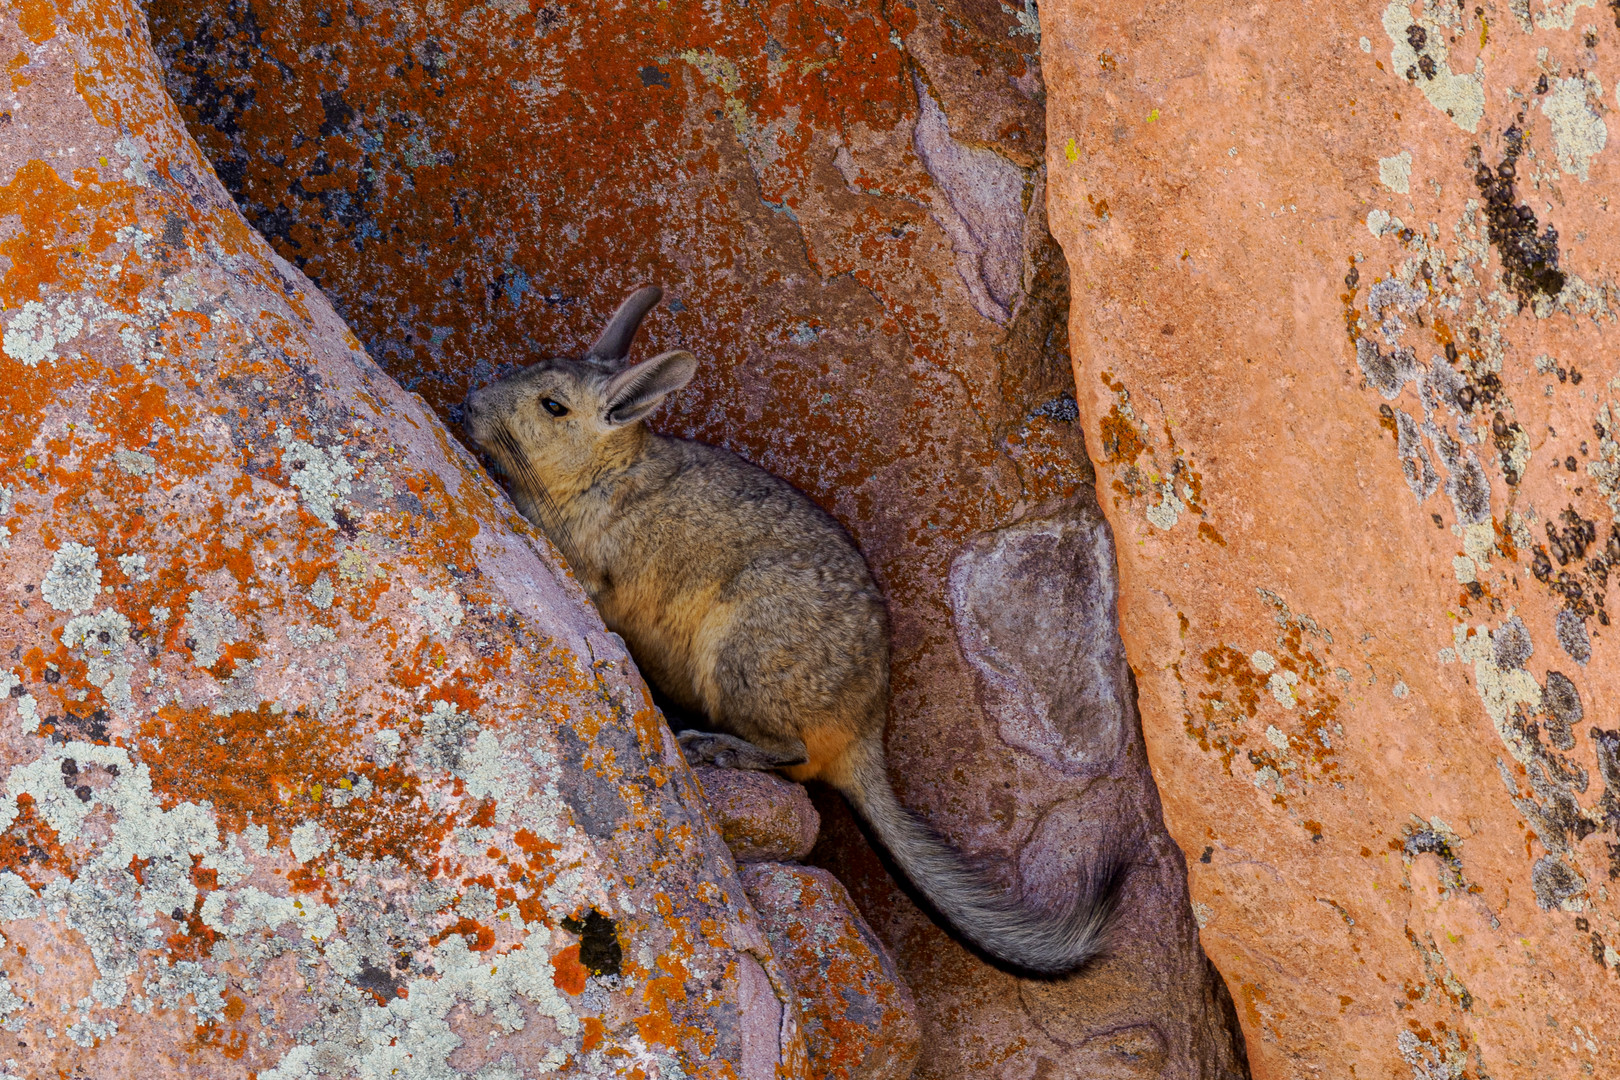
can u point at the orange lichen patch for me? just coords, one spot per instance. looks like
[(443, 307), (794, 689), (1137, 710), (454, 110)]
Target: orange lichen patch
[(37, 19), (55, 213), (568, 973), (1121, 443), (268, 768), (479, 937), (1208, 532)]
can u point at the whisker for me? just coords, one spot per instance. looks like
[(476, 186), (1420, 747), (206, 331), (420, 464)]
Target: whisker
[(540, 498)]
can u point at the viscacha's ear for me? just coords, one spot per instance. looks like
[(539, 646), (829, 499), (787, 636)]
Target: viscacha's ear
[(637, 391), (614, 343)]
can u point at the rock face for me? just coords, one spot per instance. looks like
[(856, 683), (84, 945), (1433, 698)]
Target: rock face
[(761, 817), (1344, 339), (859, 1021), (845, 205), (314, 763)]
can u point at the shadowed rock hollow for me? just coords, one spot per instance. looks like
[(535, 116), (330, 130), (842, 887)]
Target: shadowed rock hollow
[(845, 206)]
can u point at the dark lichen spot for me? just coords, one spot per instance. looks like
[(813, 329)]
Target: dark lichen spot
[(1571, 630), (1541, 83), (174, 231), (652, 76), (1467, 484), (599, 951), (594, 798), (1062, 408), (1554, 881), (1417, 37), (1209, 853), (1561, 704), (1510, 644), (379, 982), (1386, 373), (1529, 260), (1426, 67)]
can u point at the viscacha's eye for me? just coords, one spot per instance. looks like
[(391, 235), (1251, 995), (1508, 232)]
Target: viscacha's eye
[(555, 408)]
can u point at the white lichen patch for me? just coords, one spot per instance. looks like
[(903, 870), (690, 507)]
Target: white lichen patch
[(386, 743), (411, 1037), (440, 608), (321, 476), (1166, 514), (1500, 689), (1578, 132), (210, 627), (321, 594), (109, 909), (134, 462), (1463, 567), (1263, 661), (1276, 738), (1281, 684), (488, 775), (443, 730), (101, 639), (35, 331), (28, 714), (309, 841), (305, 636), (74, 579), (1562, 16), (1395, 172), (1461, 97), (133, 567)]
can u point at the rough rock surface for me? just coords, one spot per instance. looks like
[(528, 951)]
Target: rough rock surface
[(845, 205), (760, 816), (1344, 334), (313, 763), (859, 1020)]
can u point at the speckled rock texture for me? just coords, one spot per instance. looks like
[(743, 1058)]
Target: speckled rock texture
[(1344, 332), (859, 1020), (845, 205), (760, 815), (315, 762)]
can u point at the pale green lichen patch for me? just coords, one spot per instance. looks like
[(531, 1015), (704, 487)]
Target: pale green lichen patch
[(321, 475), (1421, 57), (74, 579), (1395, 172), (1578, 131)]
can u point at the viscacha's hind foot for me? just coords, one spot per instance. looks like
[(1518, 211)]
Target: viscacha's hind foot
[(729, 752)]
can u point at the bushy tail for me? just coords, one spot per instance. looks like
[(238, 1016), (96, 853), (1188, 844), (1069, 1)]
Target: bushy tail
[(1035, 942)]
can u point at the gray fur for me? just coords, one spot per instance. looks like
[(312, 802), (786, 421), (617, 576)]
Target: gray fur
[(746, 603)]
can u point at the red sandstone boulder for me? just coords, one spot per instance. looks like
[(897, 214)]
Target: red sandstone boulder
[(1344, 340), (859, 1020), (315, 762), (760, 816)]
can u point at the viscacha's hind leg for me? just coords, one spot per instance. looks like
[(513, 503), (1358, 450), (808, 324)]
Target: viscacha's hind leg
[(729, 752)]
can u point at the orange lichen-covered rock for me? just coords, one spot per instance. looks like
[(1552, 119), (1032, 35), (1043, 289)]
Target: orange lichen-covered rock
[(315, 763), (760, 816), (844, 205), (1344, 338), (859, 1021)]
